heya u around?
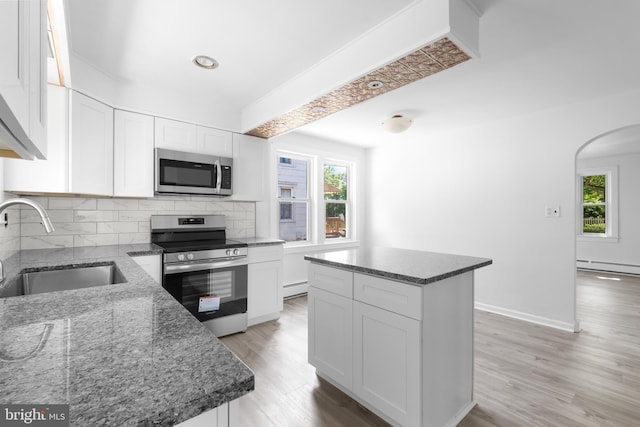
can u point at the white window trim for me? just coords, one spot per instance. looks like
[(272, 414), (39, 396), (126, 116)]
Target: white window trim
[(612, 225)]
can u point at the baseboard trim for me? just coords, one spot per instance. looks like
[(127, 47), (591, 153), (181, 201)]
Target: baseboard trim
[(295, 289), (531, 318), (610, 267), (460, 415)]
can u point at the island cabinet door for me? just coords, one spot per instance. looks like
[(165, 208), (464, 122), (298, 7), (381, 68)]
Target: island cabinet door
[(386, 363), (330, 336)]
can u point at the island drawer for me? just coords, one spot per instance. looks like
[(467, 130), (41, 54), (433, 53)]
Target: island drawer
[(331, 279), (388, 294)]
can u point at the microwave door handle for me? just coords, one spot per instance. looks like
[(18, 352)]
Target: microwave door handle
[(218, 175)]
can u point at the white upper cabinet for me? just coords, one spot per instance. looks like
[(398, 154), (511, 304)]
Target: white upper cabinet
[(182, 136), (23, 77), (132, 154), (250, 172), (214, 141), (175, 135), (51, 175), (90, 146)]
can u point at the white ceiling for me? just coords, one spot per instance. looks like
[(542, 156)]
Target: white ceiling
[(259, 44), (535, 54)]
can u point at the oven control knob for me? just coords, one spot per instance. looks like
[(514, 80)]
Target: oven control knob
[(229, 252), (180, 257), (236, 252), (189, 256)]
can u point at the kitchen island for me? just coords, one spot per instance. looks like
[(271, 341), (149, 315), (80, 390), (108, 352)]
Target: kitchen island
[(393, 329), (119, 355)]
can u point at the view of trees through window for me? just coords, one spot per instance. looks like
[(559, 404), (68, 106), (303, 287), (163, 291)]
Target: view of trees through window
[(336, 201), (594, 214)]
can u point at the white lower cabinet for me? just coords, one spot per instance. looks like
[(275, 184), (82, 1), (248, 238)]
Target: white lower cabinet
[(225, 415), (401, 350), (264, 283), (152, 264), (331, 335), (387, 358)]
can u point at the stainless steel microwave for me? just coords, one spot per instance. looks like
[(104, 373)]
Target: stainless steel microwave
[(180, 172)]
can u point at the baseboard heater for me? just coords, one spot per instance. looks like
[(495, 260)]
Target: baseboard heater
[(613, 267)]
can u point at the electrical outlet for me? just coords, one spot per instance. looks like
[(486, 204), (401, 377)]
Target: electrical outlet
[(552, 211)]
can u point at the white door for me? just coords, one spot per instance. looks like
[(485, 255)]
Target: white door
[(386, 362), (90, 146), (132, 154), (330, 335)]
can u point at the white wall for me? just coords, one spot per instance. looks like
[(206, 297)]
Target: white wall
[(627, 249), (483, 190)]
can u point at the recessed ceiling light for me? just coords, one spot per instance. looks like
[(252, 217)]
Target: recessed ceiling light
[(319, 109), (204, 61), (375, 84)]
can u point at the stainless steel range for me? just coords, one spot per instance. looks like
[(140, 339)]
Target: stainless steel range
[(203, 270)]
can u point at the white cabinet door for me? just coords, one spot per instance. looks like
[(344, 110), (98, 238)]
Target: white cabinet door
[(175, 135), (264, 298), (23, 76), (250, 172), (27, 176), (386, 362), (132, 154), (14, 48), (214, 141), (91, 146), (38, 48), (330, 335), (151, 264)]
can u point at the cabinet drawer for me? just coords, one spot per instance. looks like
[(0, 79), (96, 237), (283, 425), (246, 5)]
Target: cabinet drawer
[(265, 253), (388, 294), (331, 279)]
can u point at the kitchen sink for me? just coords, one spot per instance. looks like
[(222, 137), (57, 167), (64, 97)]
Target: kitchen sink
[(64, 277)]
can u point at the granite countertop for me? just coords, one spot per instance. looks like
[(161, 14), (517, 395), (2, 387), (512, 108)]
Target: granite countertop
[(411, 266), (260, 241), (124, 354)]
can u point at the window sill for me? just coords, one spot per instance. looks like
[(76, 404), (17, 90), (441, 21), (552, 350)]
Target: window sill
[(311, 247), (597, 238)]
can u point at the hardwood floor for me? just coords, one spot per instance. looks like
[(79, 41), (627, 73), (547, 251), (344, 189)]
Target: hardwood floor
[(525, 374)]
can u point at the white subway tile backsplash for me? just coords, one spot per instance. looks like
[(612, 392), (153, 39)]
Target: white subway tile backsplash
[(91, 222), (72, 203), (95, 239), (94, 216), (118, 227), (46, 242)]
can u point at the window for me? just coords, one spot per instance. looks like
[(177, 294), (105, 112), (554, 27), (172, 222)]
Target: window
[(598, 204), (336, 201), (594, 206), (293, 198)]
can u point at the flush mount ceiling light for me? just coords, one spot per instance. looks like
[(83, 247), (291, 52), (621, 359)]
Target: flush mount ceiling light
[(396, 124), (206, 62)]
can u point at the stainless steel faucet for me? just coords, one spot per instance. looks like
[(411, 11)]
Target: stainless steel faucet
[(46, 222)]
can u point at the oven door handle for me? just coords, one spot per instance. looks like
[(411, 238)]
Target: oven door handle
[(185, 268)]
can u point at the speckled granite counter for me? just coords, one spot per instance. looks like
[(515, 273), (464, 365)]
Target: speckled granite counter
[(124, 354), (260, 241), (415, 267)]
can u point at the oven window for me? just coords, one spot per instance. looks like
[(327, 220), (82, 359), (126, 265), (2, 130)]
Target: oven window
[(229, 284), (175, 172)]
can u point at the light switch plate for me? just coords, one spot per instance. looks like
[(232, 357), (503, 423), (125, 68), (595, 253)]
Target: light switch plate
[(552, 211)]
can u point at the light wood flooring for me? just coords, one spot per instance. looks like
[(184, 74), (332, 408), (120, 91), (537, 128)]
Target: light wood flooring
[(525, 375)]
